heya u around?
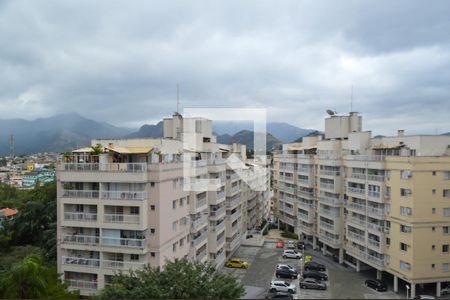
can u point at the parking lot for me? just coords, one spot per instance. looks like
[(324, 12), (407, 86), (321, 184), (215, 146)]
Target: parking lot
[(343, 282)]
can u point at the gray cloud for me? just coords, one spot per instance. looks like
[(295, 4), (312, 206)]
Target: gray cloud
[(119, 61)]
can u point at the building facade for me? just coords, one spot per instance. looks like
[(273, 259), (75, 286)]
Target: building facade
[(372, 202), (146, 201)]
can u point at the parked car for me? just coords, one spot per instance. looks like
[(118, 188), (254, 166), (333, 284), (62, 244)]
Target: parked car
[(279, 295), (376, 284), (286, 266), (290, 244), (301, 245), (282, 286), (425, 297), (445, 290), (286, 273), (311, 283), (291, 254), (313, 266), (236, 263), (315, 275)]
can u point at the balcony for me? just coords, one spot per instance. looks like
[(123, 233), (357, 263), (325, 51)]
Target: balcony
[(356, 236), (374, 243), (331, 200), (288, 220), (329, 212), (330, 172), (123, 242), (124, 195), (103, 167), (219, 227), (306, 229), (374, 194), (360, 176), (378, 178), (233, 217), (327, 186), (375, 227), (288, 209), (356, 221), (305, 194), (199, 240), (308, 218), (80, 194), (357, 207), (331, 240), (214, 214), (220, 259), (202, 256), (376, 211), (199, 222), (231, 245), (232, 203), (82, 284), (122, 265), (306, 171), (81, 261), (289, 179), (121, 219), (358, 191), (305, 205), (80, 239), (327, 226), (287, 189), (379, 262), (80, 216)]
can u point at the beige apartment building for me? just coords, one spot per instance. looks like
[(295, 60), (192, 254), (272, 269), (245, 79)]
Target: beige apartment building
[(149, 200), (373, 202)]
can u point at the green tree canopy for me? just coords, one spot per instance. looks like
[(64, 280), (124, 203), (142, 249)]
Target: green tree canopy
[(30, 279), (180, 279)]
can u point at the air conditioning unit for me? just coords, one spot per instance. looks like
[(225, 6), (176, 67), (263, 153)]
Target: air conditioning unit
[(386, 230)]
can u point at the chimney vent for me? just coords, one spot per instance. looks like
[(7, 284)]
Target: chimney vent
[(401, 132)]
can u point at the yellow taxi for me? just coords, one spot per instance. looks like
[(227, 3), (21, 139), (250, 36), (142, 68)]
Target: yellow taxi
[(236, 263), (308, 258)]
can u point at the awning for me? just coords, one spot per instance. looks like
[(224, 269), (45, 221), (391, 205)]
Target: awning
[(381, 146), (83, 150), (130, 150), (223, 150)]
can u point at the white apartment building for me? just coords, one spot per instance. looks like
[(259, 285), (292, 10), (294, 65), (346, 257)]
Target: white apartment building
[(373, 202), (148, 200)]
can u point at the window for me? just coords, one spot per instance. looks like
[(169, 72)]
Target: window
[(405, 174), (152, 254), (174, 204), (134, 210), (174, 247), (445, 267), (403, 247), (434, 173), (152, 207), (405, 211), (404, 265), (433, 191), (152, 184), (433, 210), (187, 200), (432, 266), (445, 229), (405, 228), (446, 211), (181, 202), (446, 193), (388, 241), (446, 175), (433, 228), (174, 184), (182, 242), (433, 247), (174, 225), (445, 248), (405, 192), (134, 257), (152, 230), (388, 259)]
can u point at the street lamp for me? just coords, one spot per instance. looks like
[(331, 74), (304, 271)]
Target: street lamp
[(407, 291)]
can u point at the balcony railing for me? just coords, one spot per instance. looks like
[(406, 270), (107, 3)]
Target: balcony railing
[(80, 216), (124, 195), (376, 260), (232, 244), (82, 284), (358, 221), (287, 189), (358, 207), (200, 202), (305, 205), (202, 255), (358, 176), (199, 163), (287, 178), (374, 194), (355, 190), (306, 229), (198, 240), (107, 167), (81, 261), (122, 265), (217, 212), (327, 225), (378, 178), (123, 242), (330, 239), (233, 217), (330, 172), (121, 218), (221, 240), (218, 227), (356, 236), (330, 200), (375, 227), (327, 186), (80, 193), (376, 211), (329, 212), (306, 194), (220, 194), (374, 243), (232, 203), (198, 223), (80, 239)]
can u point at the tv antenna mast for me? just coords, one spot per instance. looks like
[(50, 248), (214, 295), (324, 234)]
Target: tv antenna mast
[(351, 99), (178, 99), (12, 142)]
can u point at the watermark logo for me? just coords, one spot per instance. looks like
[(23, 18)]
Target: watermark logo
[(203, 152)]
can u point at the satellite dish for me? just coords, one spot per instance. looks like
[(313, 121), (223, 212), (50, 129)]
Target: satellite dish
[(330, 112)]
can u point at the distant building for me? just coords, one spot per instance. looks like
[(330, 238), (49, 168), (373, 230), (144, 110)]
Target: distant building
[(31, 178), (6, 213)]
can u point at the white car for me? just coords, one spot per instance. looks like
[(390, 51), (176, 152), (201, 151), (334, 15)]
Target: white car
[(291, 254), (445, 291), (290, 245), (282, 286)]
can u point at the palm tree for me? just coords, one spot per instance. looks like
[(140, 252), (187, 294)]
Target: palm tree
[(97, 149)]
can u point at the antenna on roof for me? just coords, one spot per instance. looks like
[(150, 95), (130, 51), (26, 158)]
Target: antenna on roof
[(178, 99), (351, 99)]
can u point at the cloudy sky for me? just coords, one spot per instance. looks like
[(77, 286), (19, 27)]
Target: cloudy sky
[(120, 61)]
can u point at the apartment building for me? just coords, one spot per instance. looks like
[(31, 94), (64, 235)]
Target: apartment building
[(372, 202), (149, 200)]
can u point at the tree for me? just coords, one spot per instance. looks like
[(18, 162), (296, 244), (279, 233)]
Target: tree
[(30, 279), (97, 149), (180, 279)]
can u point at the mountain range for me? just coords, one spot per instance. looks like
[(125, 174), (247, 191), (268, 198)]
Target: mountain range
[(71, 130)]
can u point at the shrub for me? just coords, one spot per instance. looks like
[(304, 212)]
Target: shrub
[(289, 235)]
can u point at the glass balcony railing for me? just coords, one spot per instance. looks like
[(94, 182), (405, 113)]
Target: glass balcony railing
[(82, 284), (124, 195), (81, 261), (80, 193), (121, 218), (80, 216)]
